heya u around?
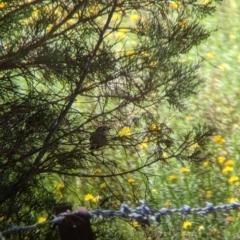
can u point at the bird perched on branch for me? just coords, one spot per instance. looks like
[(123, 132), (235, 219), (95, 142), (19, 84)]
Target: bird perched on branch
[(98, 139)]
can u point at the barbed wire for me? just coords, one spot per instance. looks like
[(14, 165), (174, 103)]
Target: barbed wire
[(141, 214)]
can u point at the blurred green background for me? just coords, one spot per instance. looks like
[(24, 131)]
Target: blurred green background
[(216, 180)]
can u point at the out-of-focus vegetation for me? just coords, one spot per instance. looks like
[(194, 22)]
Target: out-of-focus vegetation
[(216, 180)]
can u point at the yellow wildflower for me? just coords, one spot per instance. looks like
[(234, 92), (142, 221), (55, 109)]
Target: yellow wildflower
[(222, 67), (60, 187), (184, 170), (154, 191), (134, 43), (232, 200), (194, 146), (116, 16), (135, 224), (144, 54), (119, 9), (78, 101), (232, 36), (154, 127), (182, 22), (206, 2), (58, 12), (208, 194), (35, 13), (186, 224), (167, 204), (189, 118), (238, 57), (227, 169), (89, 197), (94, 10), (97, 198), (49, 28), (98, 171), (221, 159), (131, 180), (120, 35), (174, 5), (143, 145), (129, 53), (165, 155), (201, 228), (219, 139), (214, 232), (134, 17), (230, 219), (153, 64), (70, 22), (210, 54), (41, 219), (125, 131), (233, 179), (229, 163), (206, 163), (153, 94), (172, 178), (2, 5), (103, 185), (124, 30)]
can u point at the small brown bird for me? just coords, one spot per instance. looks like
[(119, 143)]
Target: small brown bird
[(98, 139)]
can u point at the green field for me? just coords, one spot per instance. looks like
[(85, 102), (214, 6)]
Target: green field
[(217, 179), (68, 173)]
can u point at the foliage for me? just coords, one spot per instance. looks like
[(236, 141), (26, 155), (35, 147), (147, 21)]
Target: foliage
[(68, 67)]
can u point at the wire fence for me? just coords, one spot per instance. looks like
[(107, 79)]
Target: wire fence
[(142, 214)]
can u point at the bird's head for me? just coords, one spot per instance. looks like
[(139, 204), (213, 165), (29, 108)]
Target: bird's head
[(102, 129)]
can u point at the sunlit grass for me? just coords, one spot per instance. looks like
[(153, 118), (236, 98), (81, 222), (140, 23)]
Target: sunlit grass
[(216, 180)]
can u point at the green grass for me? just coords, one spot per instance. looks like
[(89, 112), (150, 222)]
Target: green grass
[(216, 180), (217, 104)]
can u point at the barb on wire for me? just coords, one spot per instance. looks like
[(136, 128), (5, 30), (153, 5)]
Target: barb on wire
[(143, 213)]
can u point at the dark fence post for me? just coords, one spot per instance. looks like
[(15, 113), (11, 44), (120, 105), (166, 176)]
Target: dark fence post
[(74, 227)]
